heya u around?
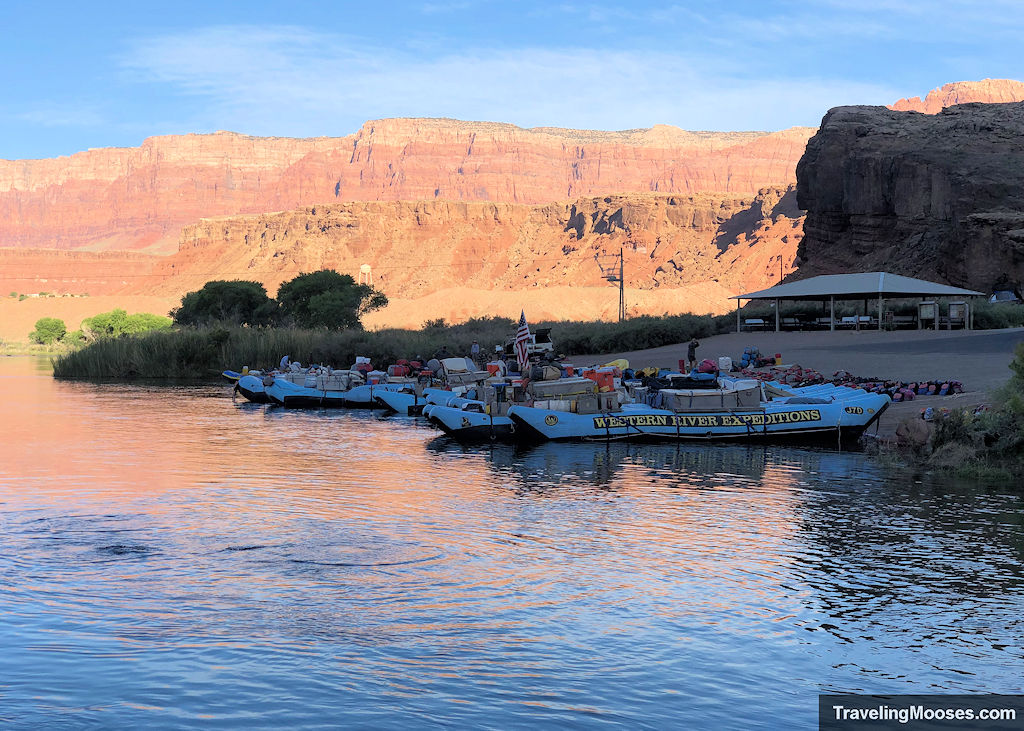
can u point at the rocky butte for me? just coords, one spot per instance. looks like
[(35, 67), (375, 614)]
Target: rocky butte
[(933, 196)]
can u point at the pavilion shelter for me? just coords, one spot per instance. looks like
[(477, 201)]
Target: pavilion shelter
[(859, 286)]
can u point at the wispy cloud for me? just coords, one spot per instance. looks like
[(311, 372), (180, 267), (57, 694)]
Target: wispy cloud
[(62, 115), (292, 80), (822, 23), (452, 6)]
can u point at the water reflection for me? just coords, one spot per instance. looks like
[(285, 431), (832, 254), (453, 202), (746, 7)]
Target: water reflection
[(168, 556), (922, 567), (547, 465)]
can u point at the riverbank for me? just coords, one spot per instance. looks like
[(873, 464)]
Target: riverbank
[(21, 347)]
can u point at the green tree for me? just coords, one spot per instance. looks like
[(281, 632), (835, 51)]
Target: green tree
[(105, 324), (230, 302), (119, 322), (48, 330), (328, 299), (142, 322)]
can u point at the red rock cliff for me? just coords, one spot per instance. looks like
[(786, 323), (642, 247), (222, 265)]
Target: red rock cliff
[(419, 248), (987, 91), (141, 198), (939, 197)]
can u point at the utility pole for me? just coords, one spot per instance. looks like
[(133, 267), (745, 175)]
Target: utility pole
[(622, 288), (609, 273)]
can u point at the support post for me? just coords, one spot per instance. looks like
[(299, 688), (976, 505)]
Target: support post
[(737, 314), (832, 312), (776, 315), (881, 308), (970, 312)]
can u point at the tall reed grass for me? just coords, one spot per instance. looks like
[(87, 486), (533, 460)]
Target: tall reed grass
[(201, 353)]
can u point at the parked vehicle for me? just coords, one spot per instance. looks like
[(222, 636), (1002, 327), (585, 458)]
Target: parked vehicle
[(1004, 296), (540, 343)]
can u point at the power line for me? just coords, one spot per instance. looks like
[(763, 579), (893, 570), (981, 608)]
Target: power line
[(385, 267)]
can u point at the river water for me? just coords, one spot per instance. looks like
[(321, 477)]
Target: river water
[(171, 557)]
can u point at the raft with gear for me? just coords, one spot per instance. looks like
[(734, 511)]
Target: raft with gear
[(731, 410)]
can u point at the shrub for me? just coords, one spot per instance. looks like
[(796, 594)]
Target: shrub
[(953, 429), (48, 330), (989, 316)]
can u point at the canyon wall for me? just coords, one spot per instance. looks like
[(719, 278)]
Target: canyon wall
[(458, 219), (141, 198), (937, 197), (697, 250)]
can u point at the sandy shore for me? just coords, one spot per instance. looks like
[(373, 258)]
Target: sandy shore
[(979, 359)]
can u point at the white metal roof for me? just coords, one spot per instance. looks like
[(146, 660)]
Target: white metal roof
[(862, 284)]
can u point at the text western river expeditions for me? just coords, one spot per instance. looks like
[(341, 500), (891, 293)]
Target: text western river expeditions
[(674, 420)]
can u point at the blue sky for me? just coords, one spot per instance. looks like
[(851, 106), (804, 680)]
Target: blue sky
[(96, 74)]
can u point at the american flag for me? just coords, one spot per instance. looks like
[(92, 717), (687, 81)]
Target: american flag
[(522, 340)]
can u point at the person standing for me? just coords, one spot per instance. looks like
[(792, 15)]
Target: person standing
[(691, 353), (474, 352)]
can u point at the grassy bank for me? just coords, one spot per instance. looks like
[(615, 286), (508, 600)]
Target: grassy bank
[(984, 445), (24, 347), (205, 352)]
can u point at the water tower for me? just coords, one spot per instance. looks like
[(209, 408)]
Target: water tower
[(364, 274)]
